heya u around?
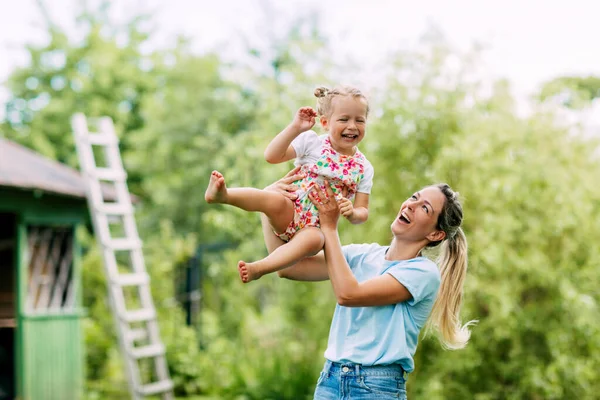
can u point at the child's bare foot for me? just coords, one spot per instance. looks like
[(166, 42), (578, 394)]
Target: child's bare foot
[(248, 271), (216, 192)]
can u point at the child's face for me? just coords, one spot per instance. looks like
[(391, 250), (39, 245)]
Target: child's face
[(346, 124)]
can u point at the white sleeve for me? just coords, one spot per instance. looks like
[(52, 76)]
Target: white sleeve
[(366, 183), (304, 142)]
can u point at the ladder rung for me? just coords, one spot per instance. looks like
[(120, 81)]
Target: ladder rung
[(136, 279), (135, 326), (107, 174), (152, 350), (101, 139), (124, 244), (115, 208), (139, 315), (155, 388), (137, 334)]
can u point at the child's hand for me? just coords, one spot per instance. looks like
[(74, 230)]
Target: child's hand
[(346, 207), (305, 119)]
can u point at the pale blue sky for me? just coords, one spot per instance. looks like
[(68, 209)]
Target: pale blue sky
[(529, 41)]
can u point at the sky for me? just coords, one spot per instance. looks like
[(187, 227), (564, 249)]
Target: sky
[(527, 41)]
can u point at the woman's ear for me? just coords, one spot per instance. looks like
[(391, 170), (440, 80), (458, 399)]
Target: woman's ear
[(436, 236)]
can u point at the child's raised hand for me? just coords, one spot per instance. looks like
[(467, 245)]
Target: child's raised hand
[(346, 207), (305, 119)]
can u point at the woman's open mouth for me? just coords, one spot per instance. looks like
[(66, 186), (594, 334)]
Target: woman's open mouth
[(404, 218)]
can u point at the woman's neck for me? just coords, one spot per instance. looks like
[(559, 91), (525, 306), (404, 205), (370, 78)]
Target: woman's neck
[(400, 250)]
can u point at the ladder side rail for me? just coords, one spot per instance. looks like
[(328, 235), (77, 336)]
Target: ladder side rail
[(87, 164), (114, 161)]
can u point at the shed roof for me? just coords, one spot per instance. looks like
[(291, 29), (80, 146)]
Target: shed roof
[(23, 168)]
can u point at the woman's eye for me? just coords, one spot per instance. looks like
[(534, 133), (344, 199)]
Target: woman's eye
[(413, 197), (426, 209)]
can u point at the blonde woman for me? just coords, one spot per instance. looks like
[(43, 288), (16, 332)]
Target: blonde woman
[(385, 294)]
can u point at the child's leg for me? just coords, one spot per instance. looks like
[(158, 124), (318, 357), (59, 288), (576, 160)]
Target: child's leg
[(306, 242), (275, 206)]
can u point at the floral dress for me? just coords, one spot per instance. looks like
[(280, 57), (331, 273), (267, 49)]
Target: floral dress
[(339, 169)]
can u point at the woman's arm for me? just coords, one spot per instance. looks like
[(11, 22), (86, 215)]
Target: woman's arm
[(309, 269), (382, 290)]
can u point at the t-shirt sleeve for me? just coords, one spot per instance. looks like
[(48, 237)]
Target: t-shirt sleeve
[(304, 143), (420, 277), (366, 183), (349, 250), (354, 252)]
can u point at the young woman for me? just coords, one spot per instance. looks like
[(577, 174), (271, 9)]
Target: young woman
[(385, 294)]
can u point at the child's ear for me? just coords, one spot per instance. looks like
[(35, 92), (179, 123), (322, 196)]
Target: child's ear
[(324, 122)]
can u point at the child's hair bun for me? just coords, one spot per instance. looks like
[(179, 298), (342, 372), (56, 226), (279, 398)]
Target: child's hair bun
[(321, 91)]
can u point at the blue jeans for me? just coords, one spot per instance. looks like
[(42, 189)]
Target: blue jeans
[(349, 381)]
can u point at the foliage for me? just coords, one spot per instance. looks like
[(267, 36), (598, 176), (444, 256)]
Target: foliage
[(530, 200), (572, 91)]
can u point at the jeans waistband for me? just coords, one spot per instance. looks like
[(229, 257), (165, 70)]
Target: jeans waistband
[(352, 369)]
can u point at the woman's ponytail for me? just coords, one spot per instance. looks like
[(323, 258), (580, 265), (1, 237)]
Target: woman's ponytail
[(452, 261)]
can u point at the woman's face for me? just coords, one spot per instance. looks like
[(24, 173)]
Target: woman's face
[(418, 216)]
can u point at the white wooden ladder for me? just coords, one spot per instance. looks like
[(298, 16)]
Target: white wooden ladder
[(128, 282)]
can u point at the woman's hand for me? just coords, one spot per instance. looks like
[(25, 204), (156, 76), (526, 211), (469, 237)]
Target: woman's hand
[(325, 202), (284, 185)]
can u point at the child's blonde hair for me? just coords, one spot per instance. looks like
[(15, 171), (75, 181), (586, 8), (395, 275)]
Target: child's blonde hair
[(325, 97)]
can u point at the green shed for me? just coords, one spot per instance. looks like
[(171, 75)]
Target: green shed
[(42, 202)]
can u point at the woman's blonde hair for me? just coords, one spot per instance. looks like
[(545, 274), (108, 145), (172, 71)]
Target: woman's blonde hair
[(452, 261), (325, 97)]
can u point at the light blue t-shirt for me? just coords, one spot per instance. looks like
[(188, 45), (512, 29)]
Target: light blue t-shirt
[(383, 334)]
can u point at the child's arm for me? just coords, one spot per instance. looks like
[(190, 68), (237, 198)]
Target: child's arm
[(358, 212), (280, 149)]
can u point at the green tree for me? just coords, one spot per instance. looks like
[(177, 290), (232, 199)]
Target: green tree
[(105, 73), (530, 206), (202, 121), (571, 91), (530, 199)]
